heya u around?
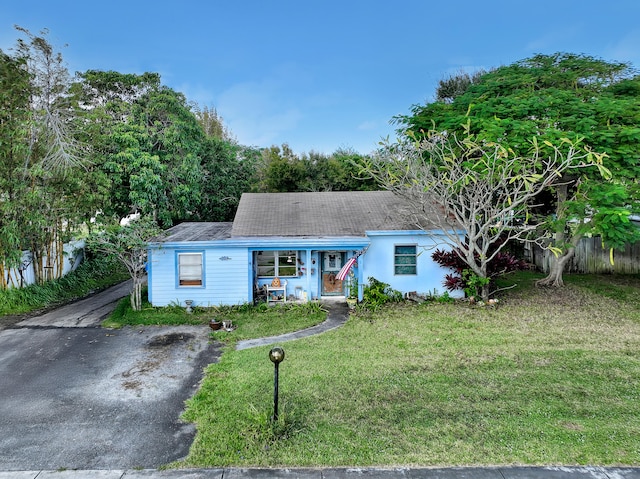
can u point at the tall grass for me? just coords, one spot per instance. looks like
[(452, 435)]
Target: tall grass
[(90, 276)]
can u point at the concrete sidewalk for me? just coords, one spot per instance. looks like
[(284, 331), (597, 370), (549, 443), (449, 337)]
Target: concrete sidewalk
[(344, 473)]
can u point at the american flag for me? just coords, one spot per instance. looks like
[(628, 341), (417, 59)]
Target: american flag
[(344, 271)]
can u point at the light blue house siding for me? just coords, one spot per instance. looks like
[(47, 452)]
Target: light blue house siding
[(309, 251), (303, 239), (380, 263), (229, 272), (225, 275)]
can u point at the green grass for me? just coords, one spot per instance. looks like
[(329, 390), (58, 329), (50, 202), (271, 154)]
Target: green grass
[(548, 377), (249, 321)]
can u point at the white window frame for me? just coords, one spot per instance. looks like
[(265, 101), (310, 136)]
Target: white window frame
[(278, 257), (190, 275)]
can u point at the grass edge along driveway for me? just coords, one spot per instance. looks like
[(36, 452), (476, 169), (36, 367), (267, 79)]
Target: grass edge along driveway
[(548, 377)]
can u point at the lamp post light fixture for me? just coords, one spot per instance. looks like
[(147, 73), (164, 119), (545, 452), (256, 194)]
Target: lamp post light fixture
[(276, 355)]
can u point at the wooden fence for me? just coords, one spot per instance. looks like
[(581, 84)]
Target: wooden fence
[(590, 257)]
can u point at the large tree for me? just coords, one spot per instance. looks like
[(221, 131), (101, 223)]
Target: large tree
[(41, 158), (552, 97), (282, 170), (147, 144), (477, 194), (228, 170)]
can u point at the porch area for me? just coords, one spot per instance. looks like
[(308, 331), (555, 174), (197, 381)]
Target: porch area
[(302, 275)]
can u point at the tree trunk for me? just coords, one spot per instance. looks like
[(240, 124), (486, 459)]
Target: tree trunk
[(554, 278), (37, 264), (133, 296), (136, 293), (485, 292)]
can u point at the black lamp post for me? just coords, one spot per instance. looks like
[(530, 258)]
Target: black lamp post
[(276, 355)]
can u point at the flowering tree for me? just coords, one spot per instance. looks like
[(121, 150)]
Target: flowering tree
[(128, 244), (477, 194)]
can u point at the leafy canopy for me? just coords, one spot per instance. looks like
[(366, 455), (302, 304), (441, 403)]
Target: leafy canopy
[(550, 98)]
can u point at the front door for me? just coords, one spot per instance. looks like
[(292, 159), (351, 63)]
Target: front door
[(331, 263)]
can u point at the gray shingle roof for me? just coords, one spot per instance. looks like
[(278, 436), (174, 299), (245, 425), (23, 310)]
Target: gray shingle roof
[(317, 214), (196, 232), (339, 213)]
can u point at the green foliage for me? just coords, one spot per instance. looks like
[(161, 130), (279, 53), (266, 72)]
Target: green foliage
[(353, 287), (212, 123), (376, 293), (43, 172), (228, 170), (474, 283), (552, 98), (457, 84), (445, 298), (284, 171), (92, 275), (435, 297), (14, 118)]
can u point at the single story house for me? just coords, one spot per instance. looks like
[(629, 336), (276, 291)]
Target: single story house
[(288, 246)]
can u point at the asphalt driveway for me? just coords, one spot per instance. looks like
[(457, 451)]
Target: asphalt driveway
[(93, 398)]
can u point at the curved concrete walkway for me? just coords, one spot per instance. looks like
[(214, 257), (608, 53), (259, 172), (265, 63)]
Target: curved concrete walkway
[(337, 314)]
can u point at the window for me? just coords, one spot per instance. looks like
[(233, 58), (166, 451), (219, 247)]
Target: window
[(277, 264), (190, 269), (405, 260)]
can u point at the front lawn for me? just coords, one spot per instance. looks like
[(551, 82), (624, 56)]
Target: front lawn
[(249, 322), (547, 377)]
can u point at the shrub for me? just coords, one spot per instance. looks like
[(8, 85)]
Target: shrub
[(464, 279), (376, 293), (92, 275)]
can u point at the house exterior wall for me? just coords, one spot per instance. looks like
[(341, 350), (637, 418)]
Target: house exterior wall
[(306, 283), (378, 262), (230, 274), (225, 276)]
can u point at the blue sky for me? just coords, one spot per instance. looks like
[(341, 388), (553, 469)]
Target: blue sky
[(319, 75)]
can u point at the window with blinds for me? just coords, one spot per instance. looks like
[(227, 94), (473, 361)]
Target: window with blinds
[(190, 269)]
